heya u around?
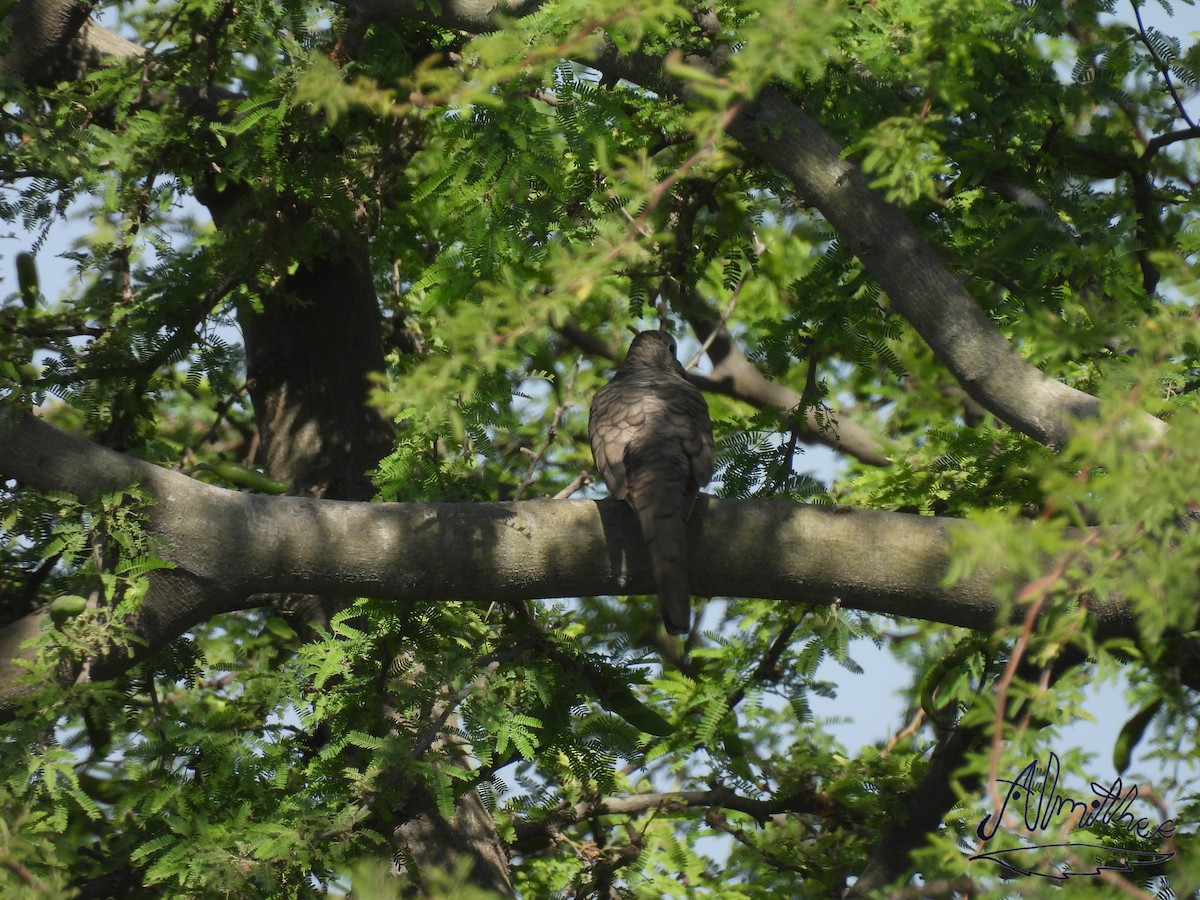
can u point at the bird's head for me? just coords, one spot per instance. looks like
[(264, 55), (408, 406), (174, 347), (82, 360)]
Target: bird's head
[(652, 348)]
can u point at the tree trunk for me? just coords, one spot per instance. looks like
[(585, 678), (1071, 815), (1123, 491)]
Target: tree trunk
[(309, 357)]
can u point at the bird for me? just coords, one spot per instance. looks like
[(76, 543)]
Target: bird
[(652, 441)]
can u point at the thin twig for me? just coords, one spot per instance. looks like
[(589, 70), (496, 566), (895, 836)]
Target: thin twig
[(913, 726), (551, 432), (222, 410), (23, 874), (715, 819), (767, 669), (1163, 68), (659, 190), (450, 704), (580, 481), (728, 311)]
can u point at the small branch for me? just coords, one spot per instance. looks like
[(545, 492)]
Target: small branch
[(1171, 137), (920, 813), (767, 669), (716, 820), (580, 481), (1034, 594), (721, 323), (551, 432), (660, 190), (674, 801), (222, 410), (448, 705), (909, 730), (586, 341), (735, 376), (1163, 68), (26, 877)]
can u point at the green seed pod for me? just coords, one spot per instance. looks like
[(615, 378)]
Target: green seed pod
[(620, 700), (1131, 735), (27, 279), (66, 607), (957, 664), (236, 473)]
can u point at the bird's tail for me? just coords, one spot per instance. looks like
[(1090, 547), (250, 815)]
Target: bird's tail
[(665, 531)]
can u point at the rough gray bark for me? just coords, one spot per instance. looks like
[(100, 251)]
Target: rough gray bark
[(53, 39), (44, 34), (310, 355)]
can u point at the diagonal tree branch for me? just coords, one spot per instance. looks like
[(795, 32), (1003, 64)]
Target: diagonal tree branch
[(777, 132), (736, 376), (918, 285), (733, 375)]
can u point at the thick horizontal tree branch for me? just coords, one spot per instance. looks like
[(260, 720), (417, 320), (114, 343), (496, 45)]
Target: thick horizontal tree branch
[(474, 16), (227, 546)]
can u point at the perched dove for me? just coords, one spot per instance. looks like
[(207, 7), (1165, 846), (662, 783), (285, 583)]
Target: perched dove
[(653, 444)]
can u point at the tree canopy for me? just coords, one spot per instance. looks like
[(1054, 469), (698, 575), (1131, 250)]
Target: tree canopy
[(305, 586)]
